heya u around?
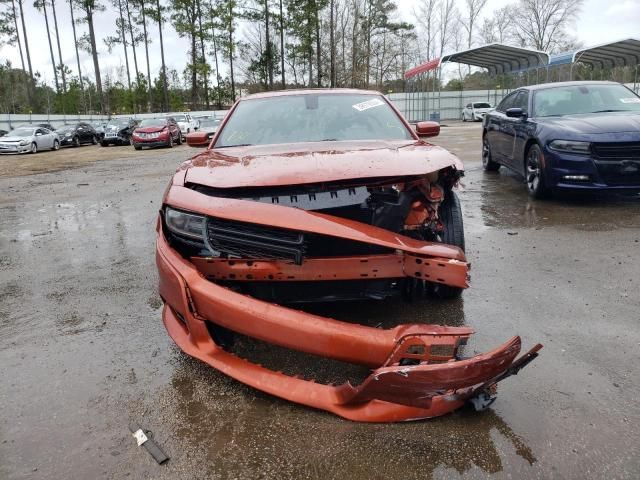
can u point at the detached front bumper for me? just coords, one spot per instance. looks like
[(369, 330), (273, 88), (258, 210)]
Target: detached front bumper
[(416, 370)]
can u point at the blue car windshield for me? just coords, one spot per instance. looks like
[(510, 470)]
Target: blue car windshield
[(581, 99), (312, 118)]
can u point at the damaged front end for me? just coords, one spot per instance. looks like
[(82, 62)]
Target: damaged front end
[(226, 255)]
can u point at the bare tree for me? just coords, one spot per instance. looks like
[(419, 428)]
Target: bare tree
[(89, 9), (447, 23), (542, 24), (472, 11), (426, 17), (42, 5), (497, 29)]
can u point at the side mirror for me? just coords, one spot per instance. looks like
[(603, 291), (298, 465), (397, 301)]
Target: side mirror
[(428, 129), (515, 113), (198, 139), (38, 134)]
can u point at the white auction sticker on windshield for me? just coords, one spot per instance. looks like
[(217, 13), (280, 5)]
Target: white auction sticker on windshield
[(630, 100), (374, 102)]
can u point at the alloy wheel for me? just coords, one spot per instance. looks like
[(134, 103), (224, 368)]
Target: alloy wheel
[(533, 170)]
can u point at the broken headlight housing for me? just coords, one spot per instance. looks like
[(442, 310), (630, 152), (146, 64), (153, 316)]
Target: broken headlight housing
[(185, 224)]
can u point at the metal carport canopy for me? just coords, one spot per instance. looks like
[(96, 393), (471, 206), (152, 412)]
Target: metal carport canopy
[(614, 54), (500, 58)]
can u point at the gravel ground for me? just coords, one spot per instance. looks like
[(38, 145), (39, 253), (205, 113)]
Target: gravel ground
[(83, 351)]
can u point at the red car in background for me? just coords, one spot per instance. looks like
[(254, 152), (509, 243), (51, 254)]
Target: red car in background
[(156, 132)]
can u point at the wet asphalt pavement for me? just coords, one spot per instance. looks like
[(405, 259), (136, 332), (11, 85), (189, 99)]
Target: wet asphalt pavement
[(83, 351)]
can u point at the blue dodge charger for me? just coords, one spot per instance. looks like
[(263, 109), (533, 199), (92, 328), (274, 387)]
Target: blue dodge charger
[(570, 135)]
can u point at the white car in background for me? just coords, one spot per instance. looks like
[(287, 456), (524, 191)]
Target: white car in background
[(29, 140), (185, 122), (475, 111)]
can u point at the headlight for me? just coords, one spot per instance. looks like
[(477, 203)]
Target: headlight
[(68, 134), (23, 143), (185, 224), (570, 146)]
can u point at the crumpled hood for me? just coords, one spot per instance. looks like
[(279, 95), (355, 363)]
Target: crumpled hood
[(594, 123), (10, 139), (304, 163), (149, 129)]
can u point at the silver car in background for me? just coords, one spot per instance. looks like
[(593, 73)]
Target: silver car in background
[(29, 140)]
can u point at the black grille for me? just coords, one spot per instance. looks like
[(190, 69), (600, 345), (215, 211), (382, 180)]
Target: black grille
[(617, 150), (251, 240), (620, 173)]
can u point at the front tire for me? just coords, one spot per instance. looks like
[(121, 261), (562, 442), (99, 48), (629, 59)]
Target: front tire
[(34, 147), (170, 142), (487, 160), (464, 117), (451, 218), (137, 147), (179, 140), (534, 173), (76, 141), (94, 140), (56, 145)]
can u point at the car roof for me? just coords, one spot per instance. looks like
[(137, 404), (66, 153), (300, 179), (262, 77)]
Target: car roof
[(544, 86), (311, 91)]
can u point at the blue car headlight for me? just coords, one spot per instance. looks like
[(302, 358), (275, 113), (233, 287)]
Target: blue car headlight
[(571, 146)]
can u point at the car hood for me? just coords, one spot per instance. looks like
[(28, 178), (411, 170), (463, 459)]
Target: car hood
[(594, 123), (11, 138), (149, 129), (304, 163)]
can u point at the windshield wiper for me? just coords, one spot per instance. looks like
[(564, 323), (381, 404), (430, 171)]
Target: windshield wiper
[(238, 145), (610, 110)]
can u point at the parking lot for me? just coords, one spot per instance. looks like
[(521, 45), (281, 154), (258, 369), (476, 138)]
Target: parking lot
[(83, 351)]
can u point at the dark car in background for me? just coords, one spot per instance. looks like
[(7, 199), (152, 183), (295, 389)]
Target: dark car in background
[(156, 132), (118, 132), (567, 136), (99, 128), (77, 134)]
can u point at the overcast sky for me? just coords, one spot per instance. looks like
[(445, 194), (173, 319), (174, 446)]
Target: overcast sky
[(600, 21)]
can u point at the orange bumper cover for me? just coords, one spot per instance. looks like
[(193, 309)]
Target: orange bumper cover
[(416, 371)]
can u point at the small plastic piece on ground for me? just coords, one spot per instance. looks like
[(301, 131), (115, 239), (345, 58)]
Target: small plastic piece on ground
[(148, 443)]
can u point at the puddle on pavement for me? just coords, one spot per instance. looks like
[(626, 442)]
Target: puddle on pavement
[(503, 202), (242, 430)]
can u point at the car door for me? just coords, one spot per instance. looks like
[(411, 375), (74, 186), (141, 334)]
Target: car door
[(49, 135), (42, 139), (515, 132), (495, 125)]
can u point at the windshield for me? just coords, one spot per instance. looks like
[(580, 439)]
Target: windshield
[(21, 132), (577, 99), (67, 126), (312, 118), (180, 118), (153, 122), (482, 105)]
